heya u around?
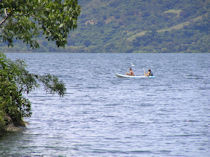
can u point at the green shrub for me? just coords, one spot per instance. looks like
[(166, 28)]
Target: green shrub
[(15, 80)]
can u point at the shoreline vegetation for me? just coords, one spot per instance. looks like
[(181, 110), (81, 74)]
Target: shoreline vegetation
[(15, 81), (25, 21)]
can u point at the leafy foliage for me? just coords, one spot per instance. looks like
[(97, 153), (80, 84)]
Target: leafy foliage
[(26, 20), (15, 80)]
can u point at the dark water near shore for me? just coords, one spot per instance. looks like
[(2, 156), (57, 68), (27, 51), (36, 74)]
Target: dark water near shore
[(102, 115)]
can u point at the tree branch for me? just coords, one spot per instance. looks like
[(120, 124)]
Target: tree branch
[(5, 12), (2, 22), (7, 15)]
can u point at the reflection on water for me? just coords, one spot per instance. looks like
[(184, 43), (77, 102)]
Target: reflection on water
[(102, 115)]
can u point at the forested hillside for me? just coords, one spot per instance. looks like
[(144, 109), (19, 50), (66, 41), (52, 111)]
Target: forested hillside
[(136, 26)]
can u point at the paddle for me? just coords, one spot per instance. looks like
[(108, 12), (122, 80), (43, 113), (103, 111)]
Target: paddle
[(132, 64)]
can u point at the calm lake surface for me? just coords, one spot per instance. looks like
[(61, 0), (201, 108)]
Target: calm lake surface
[(102, 115)]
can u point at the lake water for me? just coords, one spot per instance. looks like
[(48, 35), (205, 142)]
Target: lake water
[(104, 116)]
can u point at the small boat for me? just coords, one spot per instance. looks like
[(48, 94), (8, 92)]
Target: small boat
[(128, 76)]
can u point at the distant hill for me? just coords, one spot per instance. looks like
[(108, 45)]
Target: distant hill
[(136, 26)]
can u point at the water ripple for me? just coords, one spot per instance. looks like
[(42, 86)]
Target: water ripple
[(102, 115)]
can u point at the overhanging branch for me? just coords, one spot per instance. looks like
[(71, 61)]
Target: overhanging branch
[(2, 22), (6, 17)]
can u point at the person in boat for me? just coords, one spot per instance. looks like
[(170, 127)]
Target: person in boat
[(149, 73), (130, 73)]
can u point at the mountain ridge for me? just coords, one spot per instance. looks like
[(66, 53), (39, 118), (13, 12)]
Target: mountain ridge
[(136, 26)]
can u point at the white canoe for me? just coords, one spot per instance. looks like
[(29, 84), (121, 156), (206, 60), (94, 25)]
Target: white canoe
[(128, 76)]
